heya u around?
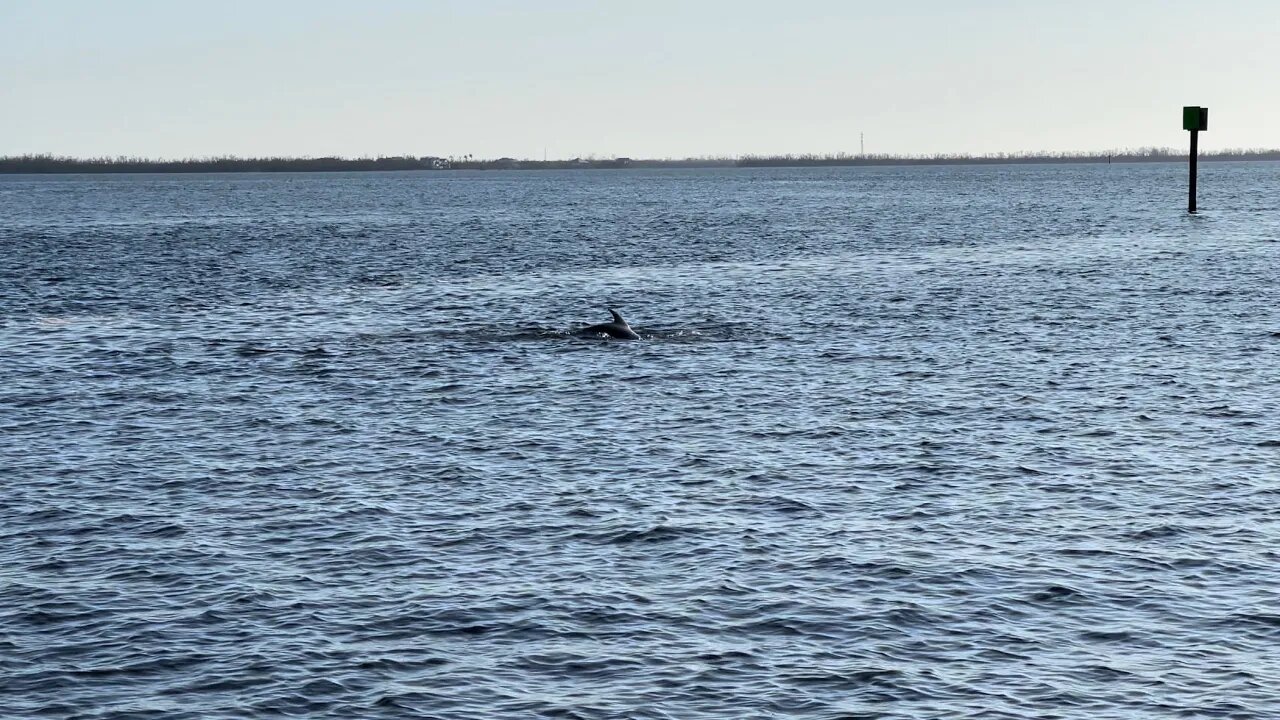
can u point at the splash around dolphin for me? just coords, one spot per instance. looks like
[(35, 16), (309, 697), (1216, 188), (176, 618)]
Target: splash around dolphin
[(618, 329)]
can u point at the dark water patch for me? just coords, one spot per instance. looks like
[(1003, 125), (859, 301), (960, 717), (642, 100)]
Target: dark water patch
[(1057, 594), (1157, 532)]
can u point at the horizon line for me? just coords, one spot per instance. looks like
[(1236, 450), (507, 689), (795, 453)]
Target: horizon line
[(594, 157), (53, 164)]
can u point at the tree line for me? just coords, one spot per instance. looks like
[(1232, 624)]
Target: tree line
[(44, 163), (62, 164), (1147, 154)]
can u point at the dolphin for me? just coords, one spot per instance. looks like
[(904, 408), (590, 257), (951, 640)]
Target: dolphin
[(617, 329)]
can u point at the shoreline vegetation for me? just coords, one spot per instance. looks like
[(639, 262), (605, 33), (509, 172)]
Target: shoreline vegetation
[(47, 164)]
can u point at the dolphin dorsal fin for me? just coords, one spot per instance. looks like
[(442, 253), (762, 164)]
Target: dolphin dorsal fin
[(616, 317)]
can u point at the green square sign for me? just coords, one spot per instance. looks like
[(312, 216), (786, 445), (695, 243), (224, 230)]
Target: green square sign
[(1195, 117)]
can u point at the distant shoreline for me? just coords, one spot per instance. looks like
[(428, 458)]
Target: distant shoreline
[(51, 164)]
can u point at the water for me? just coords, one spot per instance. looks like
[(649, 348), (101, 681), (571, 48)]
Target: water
[(997, 442)]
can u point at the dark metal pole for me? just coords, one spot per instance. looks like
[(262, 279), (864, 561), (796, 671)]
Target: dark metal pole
[(1191, 186)]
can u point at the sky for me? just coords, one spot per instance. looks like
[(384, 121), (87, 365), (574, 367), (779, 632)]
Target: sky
[(643, 79)]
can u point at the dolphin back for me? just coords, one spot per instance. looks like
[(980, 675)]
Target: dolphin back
[(618, 329)]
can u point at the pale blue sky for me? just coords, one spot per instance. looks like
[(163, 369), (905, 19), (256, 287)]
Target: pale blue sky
[(655, 78)]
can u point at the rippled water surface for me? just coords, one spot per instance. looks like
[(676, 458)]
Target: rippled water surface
[(995, 442)]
